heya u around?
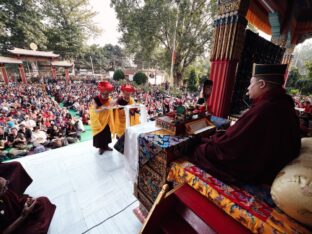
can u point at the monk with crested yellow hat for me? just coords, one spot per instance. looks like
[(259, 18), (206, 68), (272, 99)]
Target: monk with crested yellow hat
[(101, 117), (119, 114)]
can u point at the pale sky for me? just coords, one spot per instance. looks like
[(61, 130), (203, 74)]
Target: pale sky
[(106, 20)]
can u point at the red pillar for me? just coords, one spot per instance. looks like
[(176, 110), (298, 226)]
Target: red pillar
[(22, 73), (53, 71), (229, 35), (4, 74), (67, 75), (223, 76)]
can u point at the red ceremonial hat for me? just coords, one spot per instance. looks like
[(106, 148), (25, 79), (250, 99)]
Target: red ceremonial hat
[(105, 86), (127, 88)]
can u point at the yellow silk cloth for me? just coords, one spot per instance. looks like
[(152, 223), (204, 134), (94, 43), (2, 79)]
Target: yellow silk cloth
[(98, 121), (120, 119), (277, 222)]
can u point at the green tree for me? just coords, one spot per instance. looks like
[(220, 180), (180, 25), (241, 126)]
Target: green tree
[(302, 54), (148, 28), (103, 58), (118, 75), (192, 82), (305, 86), (293, 77), (308, 65), (140, 78), (21, 24), (202, 68), (69, 25)]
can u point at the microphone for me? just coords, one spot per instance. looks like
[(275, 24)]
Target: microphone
[(245, 102)]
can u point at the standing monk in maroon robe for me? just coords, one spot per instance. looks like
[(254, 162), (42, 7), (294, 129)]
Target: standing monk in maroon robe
[(262, 141), (18, 178), (23, 214)]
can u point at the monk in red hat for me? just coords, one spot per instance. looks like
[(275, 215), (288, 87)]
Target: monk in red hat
[(23, 214), (262, 141), (101, 117), (119, 115)]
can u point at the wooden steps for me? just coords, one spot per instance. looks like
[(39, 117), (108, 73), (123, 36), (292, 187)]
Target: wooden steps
[(186, 211)]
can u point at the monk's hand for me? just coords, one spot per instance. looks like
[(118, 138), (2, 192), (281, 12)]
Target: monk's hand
[(30, 201), (28, 207)]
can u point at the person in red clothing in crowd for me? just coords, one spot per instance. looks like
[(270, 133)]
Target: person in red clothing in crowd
[(204, 97), (308, 107)]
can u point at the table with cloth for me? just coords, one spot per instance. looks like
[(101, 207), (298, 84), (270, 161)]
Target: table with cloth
[(156, 150)]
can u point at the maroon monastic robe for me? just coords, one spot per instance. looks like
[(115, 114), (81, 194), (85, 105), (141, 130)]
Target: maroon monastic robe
[(38, 222), (257, 146), (18, 178)]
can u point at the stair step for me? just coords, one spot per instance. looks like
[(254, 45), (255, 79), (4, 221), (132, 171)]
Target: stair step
[(174, 223)]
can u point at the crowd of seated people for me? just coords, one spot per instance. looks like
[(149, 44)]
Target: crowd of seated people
[(31, 121), (36, 117), (77, 96)]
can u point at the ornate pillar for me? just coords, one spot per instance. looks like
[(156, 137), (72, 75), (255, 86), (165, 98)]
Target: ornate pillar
[(229, 36), (287, 59), (67, 75), (288, 55), (53, 72), (22, 73), (4, 74)]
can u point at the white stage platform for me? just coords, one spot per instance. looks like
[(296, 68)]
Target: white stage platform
[(86, 187)]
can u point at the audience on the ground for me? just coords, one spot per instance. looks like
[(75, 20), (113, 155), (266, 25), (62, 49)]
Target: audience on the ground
[(36, 117)]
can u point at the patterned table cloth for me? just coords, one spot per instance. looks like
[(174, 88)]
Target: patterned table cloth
[(253, 209), (156, 152)]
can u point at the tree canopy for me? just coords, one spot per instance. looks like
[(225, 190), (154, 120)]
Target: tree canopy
[(69, 24), (21, 23), (105, 58), (148, 28), (293, 77), (140, 78), (308, 65), (300, 83), (192, 81), (118, 75), (59, 25)]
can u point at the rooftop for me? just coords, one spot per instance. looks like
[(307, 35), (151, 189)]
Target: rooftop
[(62, 63), (10, 60), (19, 51)]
